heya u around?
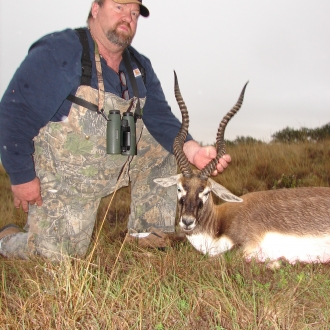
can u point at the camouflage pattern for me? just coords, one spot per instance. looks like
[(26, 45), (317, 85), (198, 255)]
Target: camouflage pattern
[(75, 173)]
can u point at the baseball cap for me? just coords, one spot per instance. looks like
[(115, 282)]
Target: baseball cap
[(143, 10)]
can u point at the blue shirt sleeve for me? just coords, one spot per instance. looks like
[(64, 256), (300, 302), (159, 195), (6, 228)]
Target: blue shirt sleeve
[(45, 78)]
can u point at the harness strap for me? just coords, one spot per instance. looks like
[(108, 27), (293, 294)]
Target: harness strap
[(88, 105), (139, 65), (82, 102), (86, 63), (127, 62)]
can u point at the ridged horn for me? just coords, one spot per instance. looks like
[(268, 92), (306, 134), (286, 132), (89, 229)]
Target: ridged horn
[(220, 143), (180, 139)]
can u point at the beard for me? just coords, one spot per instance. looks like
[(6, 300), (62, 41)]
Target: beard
[(118, 38)]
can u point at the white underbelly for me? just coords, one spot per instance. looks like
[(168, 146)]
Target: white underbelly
[(208, 245), (293, 248)]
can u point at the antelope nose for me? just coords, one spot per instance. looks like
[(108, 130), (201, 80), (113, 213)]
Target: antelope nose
[(188, 221)]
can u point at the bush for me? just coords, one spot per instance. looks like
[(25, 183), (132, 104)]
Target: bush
[(303, 134)]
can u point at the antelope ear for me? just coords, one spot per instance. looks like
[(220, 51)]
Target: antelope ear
[(223, 192), (167, 182)]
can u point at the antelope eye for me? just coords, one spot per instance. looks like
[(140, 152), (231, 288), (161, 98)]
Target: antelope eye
[(179, 189), (207, 193)]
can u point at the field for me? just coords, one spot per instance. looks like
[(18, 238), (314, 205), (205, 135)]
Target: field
[(121, 286)]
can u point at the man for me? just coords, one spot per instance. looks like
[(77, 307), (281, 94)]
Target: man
[(53, 136)]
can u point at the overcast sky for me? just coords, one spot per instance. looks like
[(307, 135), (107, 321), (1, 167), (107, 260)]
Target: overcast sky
[(282, 47)]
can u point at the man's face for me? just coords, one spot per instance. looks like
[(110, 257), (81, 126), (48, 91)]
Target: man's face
[(118, 21)]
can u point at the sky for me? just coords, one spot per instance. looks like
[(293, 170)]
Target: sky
[(281, 47)]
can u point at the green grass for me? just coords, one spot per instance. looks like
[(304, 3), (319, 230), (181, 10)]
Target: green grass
[(121, 286)]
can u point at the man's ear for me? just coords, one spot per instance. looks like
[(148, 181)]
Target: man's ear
[(95, 9)]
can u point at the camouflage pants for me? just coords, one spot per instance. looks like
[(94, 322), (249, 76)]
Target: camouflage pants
[(75, 173)]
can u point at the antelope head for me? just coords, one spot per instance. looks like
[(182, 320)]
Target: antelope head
[(194, 187)]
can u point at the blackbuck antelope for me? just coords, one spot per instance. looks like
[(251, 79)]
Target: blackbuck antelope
[(267, 225)]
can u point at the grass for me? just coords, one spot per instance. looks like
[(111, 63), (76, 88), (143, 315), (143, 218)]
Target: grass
[(121, 286)]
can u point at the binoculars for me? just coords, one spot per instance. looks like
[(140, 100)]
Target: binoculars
[(121, 134)]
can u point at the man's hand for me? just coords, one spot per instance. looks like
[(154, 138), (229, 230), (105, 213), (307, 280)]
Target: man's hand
[(27, 193), (201, 156)]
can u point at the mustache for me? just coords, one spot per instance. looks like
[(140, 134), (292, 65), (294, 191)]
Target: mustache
[(125, 24)]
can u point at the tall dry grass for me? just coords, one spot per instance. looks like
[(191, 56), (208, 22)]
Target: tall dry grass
[(121, 286)]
